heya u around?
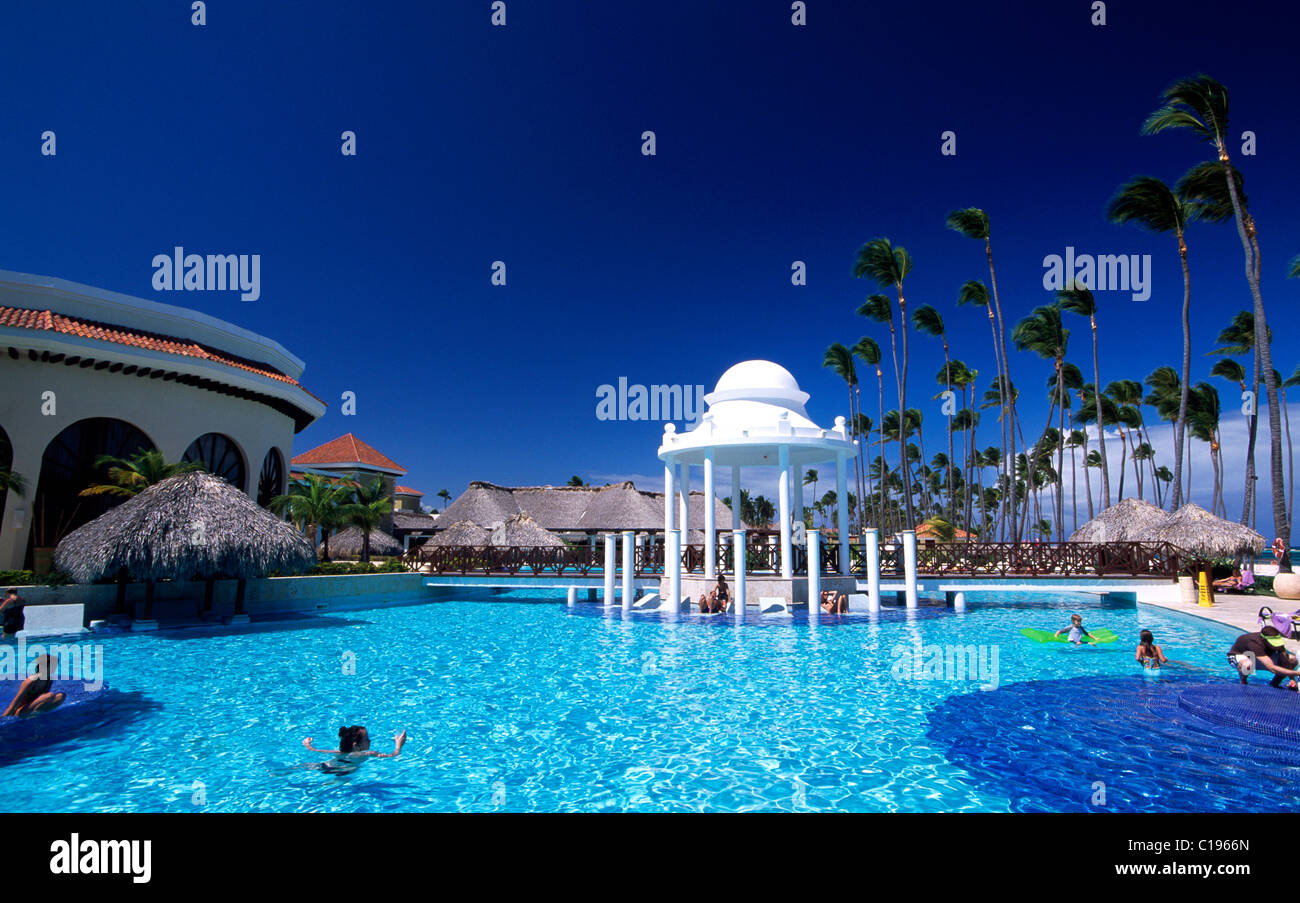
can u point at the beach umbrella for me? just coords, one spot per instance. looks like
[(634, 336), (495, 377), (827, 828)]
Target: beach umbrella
[(1130, 520), (194, 525), (187, 526), (461, 533), (1195, 530), (347, 544)]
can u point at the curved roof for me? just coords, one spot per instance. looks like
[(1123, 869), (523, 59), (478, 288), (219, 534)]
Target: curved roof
[(756, 408), (54, 321)]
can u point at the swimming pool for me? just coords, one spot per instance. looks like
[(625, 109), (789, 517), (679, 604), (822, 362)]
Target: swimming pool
[(531, 706)]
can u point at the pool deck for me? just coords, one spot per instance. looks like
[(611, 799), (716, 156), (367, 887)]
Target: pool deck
[(1241, 612)]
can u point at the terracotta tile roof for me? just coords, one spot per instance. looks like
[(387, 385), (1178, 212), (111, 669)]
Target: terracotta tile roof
[(407, 490), (49, 321), (347, 449)]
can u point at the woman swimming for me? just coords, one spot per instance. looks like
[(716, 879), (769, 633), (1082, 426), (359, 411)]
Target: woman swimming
[(1149, 655), (354, 746), (34, 694)]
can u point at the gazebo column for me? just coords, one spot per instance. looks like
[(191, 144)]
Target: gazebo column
[(735, 496), (798, 494), (710, 516), (783, 498), (684, 493), (610, 567), (629, 568), (673, 569), (814, 575), (738, 595), (670, 491), (842, 497)]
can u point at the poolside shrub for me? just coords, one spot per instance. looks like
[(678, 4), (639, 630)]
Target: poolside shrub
[(28, 578), (349, 568)]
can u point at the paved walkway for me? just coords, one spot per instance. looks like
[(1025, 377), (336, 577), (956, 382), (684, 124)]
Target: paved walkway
[(1241, 612)]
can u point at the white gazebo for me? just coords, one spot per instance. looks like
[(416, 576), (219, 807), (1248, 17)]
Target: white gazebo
[(756, 418)]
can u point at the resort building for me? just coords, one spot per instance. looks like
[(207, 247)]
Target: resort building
[(347, 456), (88, 372)]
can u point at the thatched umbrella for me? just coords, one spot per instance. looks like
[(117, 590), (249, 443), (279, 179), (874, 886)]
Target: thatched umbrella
[(1196, 530), (1130, 520), (187, 526), (461, 533), (347, 544), (522, 531)]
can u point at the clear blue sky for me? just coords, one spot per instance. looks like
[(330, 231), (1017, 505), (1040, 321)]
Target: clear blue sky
[(775, 144)]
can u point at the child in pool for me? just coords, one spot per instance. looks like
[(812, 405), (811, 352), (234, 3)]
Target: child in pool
[(1077, 631), (354, 745), (1149, 655)]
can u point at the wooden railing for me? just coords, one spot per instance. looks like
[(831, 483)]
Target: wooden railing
[(955, 559)]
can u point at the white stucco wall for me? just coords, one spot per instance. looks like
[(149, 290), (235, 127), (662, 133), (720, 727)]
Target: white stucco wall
[(170, 414)]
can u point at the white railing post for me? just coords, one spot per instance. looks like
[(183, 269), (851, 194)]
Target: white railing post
[(611, 565), (629, 567), (814, 574), (738, 537), (909, 567), (871, 554)]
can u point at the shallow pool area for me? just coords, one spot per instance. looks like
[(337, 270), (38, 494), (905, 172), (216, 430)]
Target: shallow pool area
[(522, 704)]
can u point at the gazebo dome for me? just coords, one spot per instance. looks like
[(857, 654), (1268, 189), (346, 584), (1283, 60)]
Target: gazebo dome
[(761, 381)]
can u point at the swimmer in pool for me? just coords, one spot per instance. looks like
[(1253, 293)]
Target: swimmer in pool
[(34, 696), (1077, 631), (1149, 655), (354, 745)]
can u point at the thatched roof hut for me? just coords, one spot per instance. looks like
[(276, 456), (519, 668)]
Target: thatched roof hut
[(346, 544), (461, 533), (1195, 530), (481, 503), (191, 525), (522, 531), (1130, 520)]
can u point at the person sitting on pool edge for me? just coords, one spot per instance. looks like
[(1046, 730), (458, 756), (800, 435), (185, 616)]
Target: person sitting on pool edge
[(715, 601), (354, 742), (1077, 631), (1149, 655), (1266, 648), (34, 696), (834, 603), (12, 607)]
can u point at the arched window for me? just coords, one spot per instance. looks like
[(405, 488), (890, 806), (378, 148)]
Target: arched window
[(68, 467), (220, 456), (270, 482)]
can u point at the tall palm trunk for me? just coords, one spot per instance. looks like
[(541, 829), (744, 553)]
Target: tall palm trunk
[(1248, 503), (1101, 421), (902, 411), (1281, 523), (1180, 427), (1008, 401)]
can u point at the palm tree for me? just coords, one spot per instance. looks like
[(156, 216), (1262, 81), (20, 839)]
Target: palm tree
[(1153, 205), (887, 266), (11, 481), (1079, 300), (574, 480), (1239, 338), (840, 359), (1203, 422), (1233, 372), (1042, 333), (1292, 380), (313, 502), (1200, 104), (367, 509), (867, 350), (927, 321), (972, 222), (810, 477), (445, 496), (1075, 440), (131, 475), (1127, 394)]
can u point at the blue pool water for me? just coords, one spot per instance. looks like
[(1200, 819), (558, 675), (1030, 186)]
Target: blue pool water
[(530, 706)]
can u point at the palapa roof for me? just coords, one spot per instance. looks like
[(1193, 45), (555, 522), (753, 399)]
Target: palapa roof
[(1193, 529), (190, 525), (521, 531), (461, 533), (1130, 520), (347, 544), (574, 509), (414, 521)]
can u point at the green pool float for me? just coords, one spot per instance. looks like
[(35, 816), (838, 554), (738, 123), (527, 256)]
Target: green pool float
[(1101, 635)]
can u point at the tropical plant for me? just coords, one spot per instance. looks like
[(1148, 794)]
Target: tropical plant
[(369, 504), (1199, 104), (314, 502), (1079, 300), (132, 475)]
